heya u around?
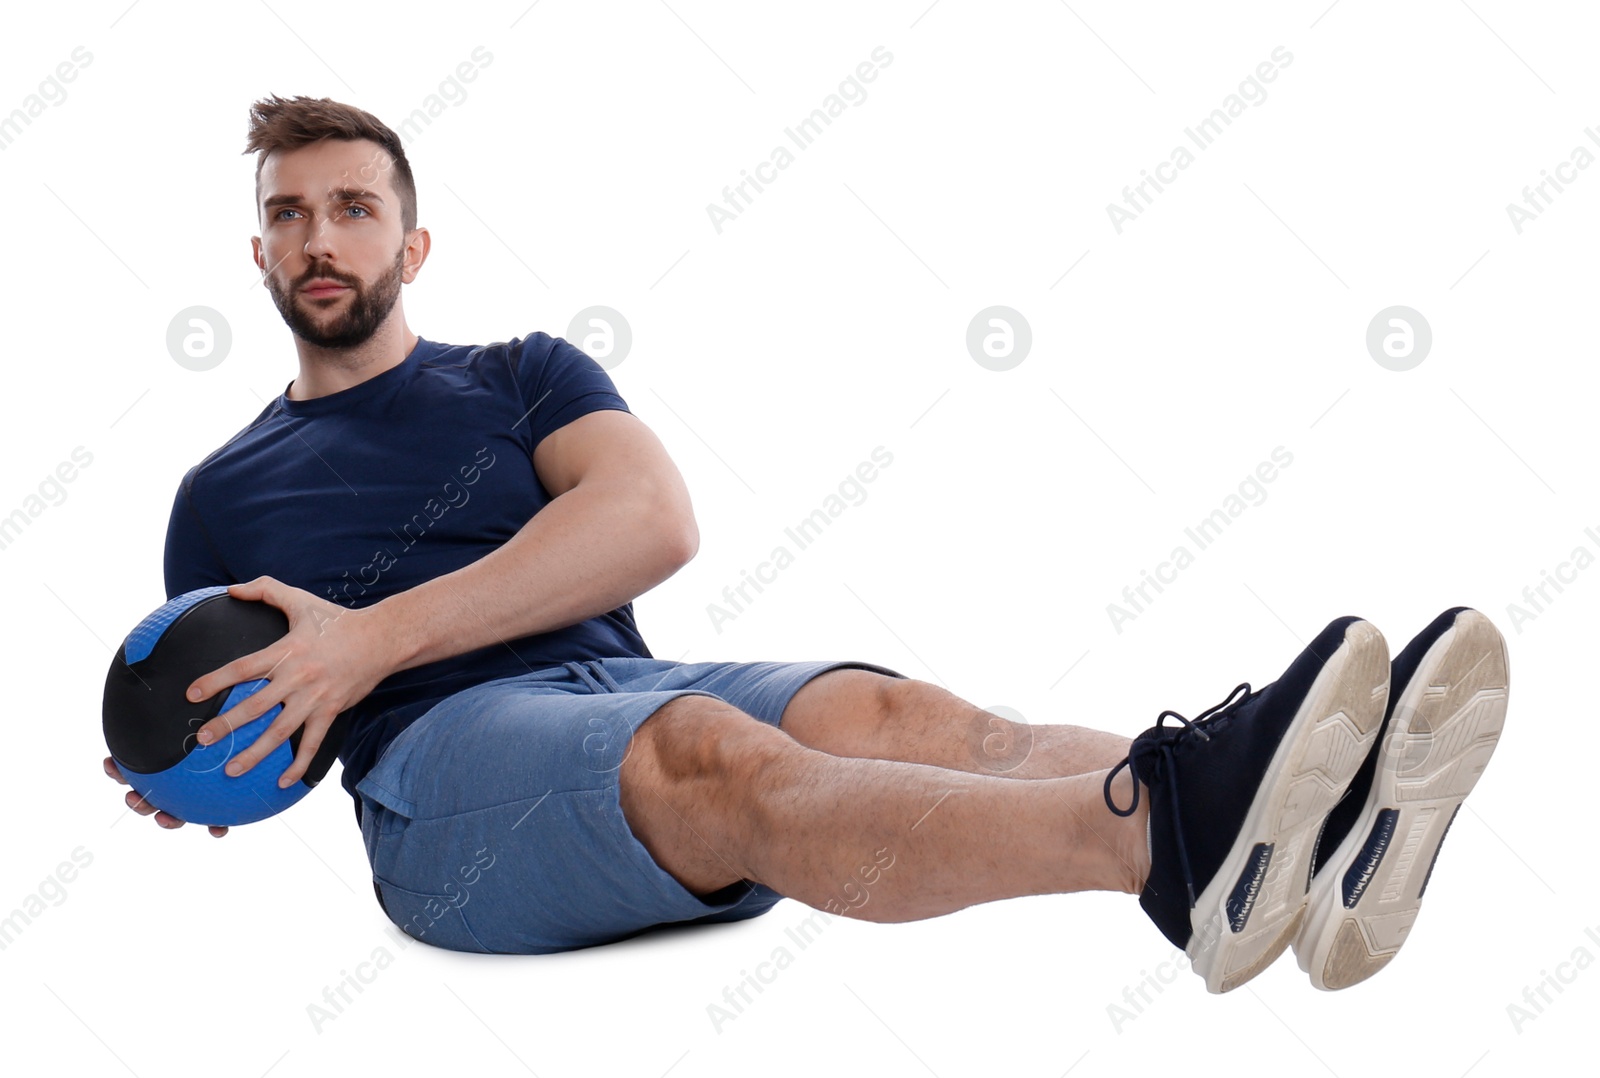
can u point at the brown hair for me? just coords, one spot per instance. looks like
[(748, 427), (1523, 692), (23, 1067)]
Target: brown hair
[(278, 123)]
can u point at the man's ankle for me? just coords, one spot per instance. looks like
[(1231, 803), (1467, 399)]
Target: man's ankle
[(1139, 853), (1128, 837)]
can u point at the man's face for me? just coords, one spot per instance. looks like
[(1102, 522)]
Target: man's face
[(329, 211)]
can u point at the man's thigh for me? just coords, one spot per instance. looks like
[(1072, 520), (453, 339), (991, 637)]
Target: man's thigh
[(496, 825), (518, 786), (812, 701)]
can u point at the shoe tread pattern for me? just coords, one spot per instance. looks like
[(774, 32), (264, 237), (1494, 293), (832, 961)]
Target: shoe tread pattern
[(1320, 753), (1446, 726)]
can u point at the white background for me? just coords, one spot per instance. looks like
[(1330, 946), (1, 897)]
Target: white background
[(828, 319)]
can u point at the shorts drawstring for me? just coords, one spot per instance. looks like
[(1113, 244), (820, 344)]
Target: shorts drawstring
[(588, 671)]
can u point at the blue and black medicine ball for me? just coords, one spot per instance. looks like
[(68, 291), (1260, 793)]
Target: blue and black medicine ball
[(150, 725)]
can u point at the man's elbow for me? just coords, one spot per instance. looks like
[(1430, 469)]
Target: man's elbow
[(688, 540), (675, 527)]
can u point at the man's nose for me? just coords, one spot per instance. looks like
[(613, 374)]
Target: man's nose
[(320, 243)]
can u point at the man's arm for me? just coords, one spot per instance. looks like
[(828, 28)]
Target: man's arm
[(619, 523)]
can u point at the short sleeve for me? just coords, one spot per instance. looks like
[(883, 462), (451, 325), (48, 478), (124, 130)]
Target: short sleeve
[(559, 383), (191, 560)]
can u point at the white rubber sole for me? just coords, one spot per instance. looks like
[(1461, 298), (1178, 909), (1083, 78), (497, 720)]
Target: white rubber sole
[(1322, 749), (1445, 726)]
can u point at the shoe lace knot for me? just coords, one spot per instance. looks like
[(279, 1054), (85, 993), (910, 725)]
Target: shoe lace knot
[(1152, 758)]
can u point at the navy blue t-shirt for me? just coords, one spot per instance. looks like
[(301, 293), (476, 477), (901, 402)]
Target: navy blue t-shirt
[(413, 473)]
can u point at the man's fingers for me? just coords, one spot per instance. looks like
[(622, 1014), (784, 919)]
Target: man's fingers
[(260, 588), (276, 733), (310, 741), (114, 771), (244, 668), (257, 664), (166, 819), (245, 711), (144, 808)]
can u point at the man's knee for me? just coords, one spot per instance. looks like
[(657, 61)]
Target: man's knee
[(847, 711), (699, 739), (857, 712), (688, 787)]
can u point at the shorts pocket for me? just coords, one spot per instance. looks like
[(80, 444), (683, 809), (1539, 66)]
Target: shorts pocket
[(381, 826), (435, 919)]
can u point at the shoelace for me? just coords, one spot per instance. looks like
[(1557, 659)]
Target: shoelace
[(1163, 746)]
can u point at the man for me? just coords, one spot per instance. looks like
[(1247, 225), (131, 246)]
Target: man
[(456, 534)]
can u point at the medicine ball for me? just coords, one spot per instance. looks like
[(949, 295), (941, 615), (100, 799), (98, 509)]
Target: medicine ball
[(150, 725)]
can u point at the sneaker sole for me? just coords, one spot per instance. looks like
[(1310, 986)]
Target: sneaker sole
[(1252, 909), (1445, 726)]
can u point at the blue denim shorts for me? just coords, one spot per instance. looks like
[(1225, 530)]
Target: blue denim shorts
[(493, 824)]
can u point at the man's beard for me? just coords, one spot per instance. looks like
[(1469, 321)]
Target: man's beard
[(366, 311)]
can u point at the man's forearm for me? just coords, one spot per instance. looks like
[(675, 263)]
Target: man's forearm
[(589, 551)]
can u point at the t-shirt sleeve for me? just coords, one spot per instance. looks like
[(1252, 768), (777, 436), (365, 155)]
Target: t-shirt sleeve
[(191, 560), (560, 382)]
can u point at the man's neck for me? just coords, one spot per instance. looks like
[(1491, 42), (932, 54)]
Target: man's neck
[(329, 370)]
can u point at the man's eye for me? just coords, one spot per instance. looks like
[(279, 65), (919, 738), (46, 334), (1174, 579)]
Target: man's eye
[(279, 215)]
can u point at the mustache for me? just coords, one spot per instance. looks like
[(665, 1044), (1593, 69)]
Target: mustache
[(314, 274)]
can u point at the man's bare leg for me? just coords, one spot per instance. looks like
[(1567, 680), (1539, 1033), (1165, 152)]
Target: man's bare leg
[(716, 796), (854, 712)]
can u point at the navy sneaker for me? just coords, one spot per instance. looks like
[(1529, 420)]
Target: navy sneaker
[(1239, 794), (1447, 704)]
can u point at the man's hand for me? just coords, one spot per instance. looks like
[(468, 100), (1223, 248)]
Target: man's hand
[(145, 808), (329, 660)]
